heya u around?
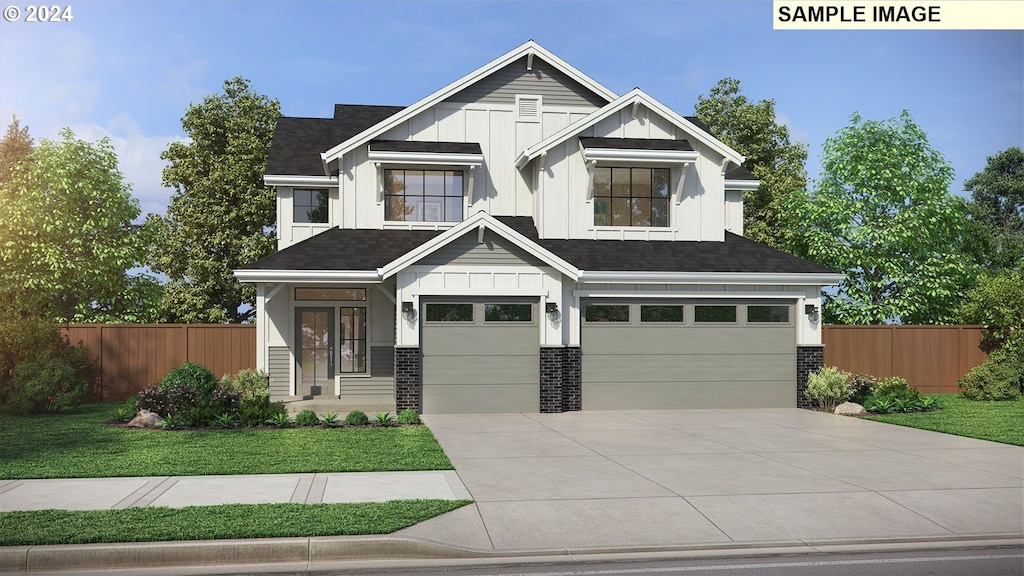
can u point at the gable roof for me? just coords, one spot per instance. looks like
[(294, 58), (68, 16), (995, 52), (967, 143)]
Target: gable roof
[(298, 142), (480, 220), (530, 48), (634, 96)]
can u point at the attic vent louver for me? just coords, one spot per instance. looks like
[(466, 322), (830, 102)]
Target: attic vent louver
[(528, 108)]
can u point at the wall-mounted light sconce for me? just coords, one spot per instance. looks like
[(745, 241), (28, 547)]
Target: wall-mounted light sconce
[(551, 308), (812, 312), (408, 312)]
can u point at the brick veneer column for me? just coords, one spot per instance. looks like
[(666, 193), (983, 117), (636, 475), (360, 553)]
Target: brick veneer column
[(808, 359), (408, 387), (551, 379), (572, 383)]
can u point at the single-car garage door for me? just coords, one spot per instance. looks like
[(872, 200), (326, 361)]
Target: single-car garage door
[(713, 354), (480, 357)]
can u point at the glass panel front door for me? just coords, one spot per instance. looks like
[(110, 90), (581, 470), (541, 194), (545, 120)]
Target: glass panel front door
[(353, 340), (315, 334)]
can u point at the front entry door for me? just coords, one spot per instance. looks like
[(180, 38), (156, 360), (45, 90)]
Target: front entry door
[(314, 331)]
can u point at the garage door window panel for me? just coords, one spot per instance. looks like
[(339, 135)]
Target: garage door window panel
[(618, 313), (714, 314), (445, 312), (508, 313), (767, 314), (661, 314)]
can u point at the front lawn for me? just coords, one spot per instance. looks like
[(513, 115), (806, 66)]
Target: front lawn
[(81, 445), (996, 421), (40, 527)]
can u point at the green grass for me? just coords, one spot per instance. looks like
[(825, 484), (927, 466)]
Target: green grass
[(40, 527), (996, 421), (80, 445)]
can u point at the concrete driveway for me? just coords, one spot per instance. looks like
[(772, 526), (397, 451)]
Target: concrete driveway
[(628, 479)]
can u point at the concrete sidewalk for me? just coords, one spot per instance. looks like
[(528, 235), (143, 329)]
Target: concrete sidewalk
[(181, 491)]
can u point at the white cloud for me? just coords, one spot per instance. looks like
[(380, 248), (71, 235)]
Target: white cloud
[(138, 158)]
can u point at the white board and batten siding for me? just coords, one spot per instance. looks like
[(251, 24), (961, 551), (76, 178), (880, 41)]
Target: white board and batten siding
[(495, 268), (564, 197)]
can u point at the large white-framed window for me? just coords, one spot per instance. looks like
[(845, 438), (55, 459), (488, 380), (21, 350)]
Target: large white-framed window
[(632, 196), (424, 195)]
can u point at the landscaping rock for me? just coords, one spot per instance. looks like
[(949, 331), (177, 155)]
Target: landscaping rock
[(850, 409), (146, 419)]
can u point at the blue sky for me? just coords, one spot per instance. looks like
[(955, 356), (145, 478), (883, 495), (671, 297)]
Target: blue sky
[(128, 70)]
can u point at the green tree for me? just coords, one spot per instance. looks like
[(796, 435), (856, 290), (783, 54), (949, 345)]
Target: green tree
[(221, 215), (995, 232), (997, 303), (751, 129), (15, 146), (66, 232), (882, 214)]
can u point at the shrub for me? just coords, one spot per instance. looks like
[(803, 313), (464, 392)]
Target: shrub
[(280, 419), (384, 418), (896, 388), (306, 418), (190, 375), (408, 416), (257, 412), (997, 378), (252, 385), (24, 339), (827, 387), (860, 387), (357, 418), (879, 405), (191, 394), (45, 384)]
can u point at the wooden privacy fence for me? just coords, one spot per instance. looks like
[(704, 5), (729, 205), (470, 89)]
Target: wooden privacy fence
[(131, 357), (931, 358)]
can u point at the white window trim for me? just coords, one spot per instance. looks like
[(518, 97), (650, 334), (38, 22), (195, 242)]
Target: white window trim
[(468, 173)]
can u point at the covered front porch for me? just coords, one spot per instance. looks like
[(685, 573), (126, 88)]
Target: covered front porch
[(328, 347)]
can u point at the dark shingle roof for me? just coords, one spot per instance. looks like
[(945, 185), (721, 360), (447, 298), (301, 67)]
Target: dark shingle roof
[(739, 173), (338, 249), (298, 142), (636, 144), (698, 123), (436, 147)]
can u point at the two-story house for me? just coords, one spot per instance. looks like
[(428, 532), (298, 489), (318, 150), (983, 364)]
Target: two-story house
[(525, 240)]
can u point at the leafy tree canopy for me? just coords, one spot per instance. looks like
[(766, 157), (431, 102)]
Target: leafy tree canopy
[(882, 214), (221, 215), (997, 302), (66, 232), (995, 233), (751, 129)]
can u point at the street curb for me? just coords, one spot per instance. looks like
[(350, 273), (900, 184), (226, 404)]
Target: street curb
[(369, 550)]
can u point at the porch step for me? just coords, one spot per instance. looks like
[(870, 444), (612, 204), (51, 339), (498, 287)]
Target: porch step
[(371, 404)]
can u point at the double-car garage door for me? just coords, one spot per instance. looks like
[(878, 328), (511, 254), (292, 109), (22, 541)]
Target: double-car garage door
[(713, 354), (483, 356)]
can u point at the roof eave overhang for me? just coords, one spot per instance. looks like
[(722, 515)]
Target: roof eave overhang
[(742, 184), (252, 276), (810, 279), (432, 158), (480, 219), (298, 180), (632, 155), (524, 50)]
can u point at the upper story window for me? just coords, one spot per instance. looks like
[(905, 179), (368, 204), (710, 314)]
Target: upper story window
[(423, 195), (309, 206), (631, 196)]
